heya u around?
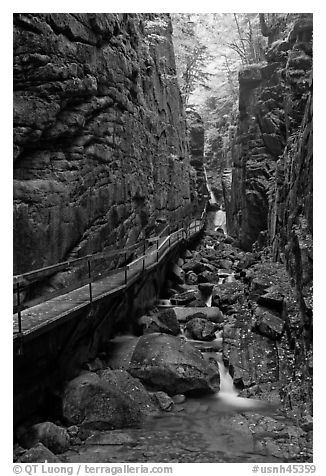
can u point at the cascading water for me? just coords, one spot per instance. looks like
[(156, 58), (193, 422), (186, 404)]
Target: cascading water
[(227, 398), (219, 217), (220, 220), (212, 199)]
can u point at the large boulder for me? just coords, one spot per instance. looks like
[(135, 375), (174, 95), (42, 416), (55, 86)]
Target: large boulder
[(172, 365), (266, 277), (93, 402), (213, 314), (39, 454), (54, 437), (164, 321), (227, 294), (191, 278), (246, 260), (187, 254), (206, 288), (201, 329), (206, 277), (184, 298), (120, 350), (268, 323), (273, 299), (194, 265), (123, 382), (163, 400), (225, 264)]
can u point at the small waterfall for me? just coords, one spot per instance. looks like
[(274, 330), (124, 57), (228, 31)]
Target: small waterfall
[(208, 301), (228, 398), (226, 381), (212, 199), (220, 220)]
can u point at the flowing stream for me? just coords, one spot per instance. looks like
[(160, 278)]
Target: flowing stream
[(219, 216), (207, 428)]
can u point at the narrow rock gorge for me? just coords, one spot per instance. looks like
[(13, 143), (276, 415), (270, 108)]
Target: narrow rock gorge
[(271, 199), (100, 146), (128, 130)]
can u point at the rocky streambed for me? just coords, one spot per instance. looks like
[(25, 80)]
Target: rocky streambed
[(217, 372)]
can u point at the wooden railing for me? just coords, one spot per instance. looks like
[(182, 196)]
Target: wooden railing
[(151, 246)]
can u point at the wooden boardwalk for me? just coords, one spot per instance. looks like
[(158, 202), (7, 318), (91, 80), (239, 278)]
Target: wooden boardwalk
[(35, 319)]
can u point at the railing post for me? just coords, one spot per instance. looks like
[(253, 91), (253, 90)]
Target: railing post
[(19, 310), (90, 283), (20, 346)]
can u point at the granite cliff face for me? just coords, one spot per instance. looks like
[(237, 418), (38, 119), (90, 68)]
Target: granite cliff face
[(270, 200), (196, 138), (99, 134), (272, 98)]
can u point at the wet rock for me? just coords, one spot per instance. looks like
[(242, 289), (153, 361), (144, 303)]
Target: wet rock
[(246, 261), (225, 264), (206, 277), (17, 452), (179, 398), (188, 254), (253, 358), (169, 319), (120, 350), (212, 314), (94, 365), (215, 345), (275, 439), (273, 299), (164, 321), (201, 329), (39, 454), (269, 392), (206, 288), (93, 403), (184, 298), (307, 423), (123, 382), (226, 294), (163, 400), (191, 278), (54, 437), (180, 262), (73, 430), (194, 265), (209, 266), (268, 323), (170, 364), (266, 276), (228, 240)]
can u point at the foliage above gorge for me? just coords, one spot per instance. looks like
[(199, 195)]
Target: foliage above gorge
[(210, 48)]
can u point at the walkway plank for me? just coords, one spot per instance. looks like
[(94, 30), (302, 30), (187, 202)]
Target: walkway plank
[(45, 313)]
